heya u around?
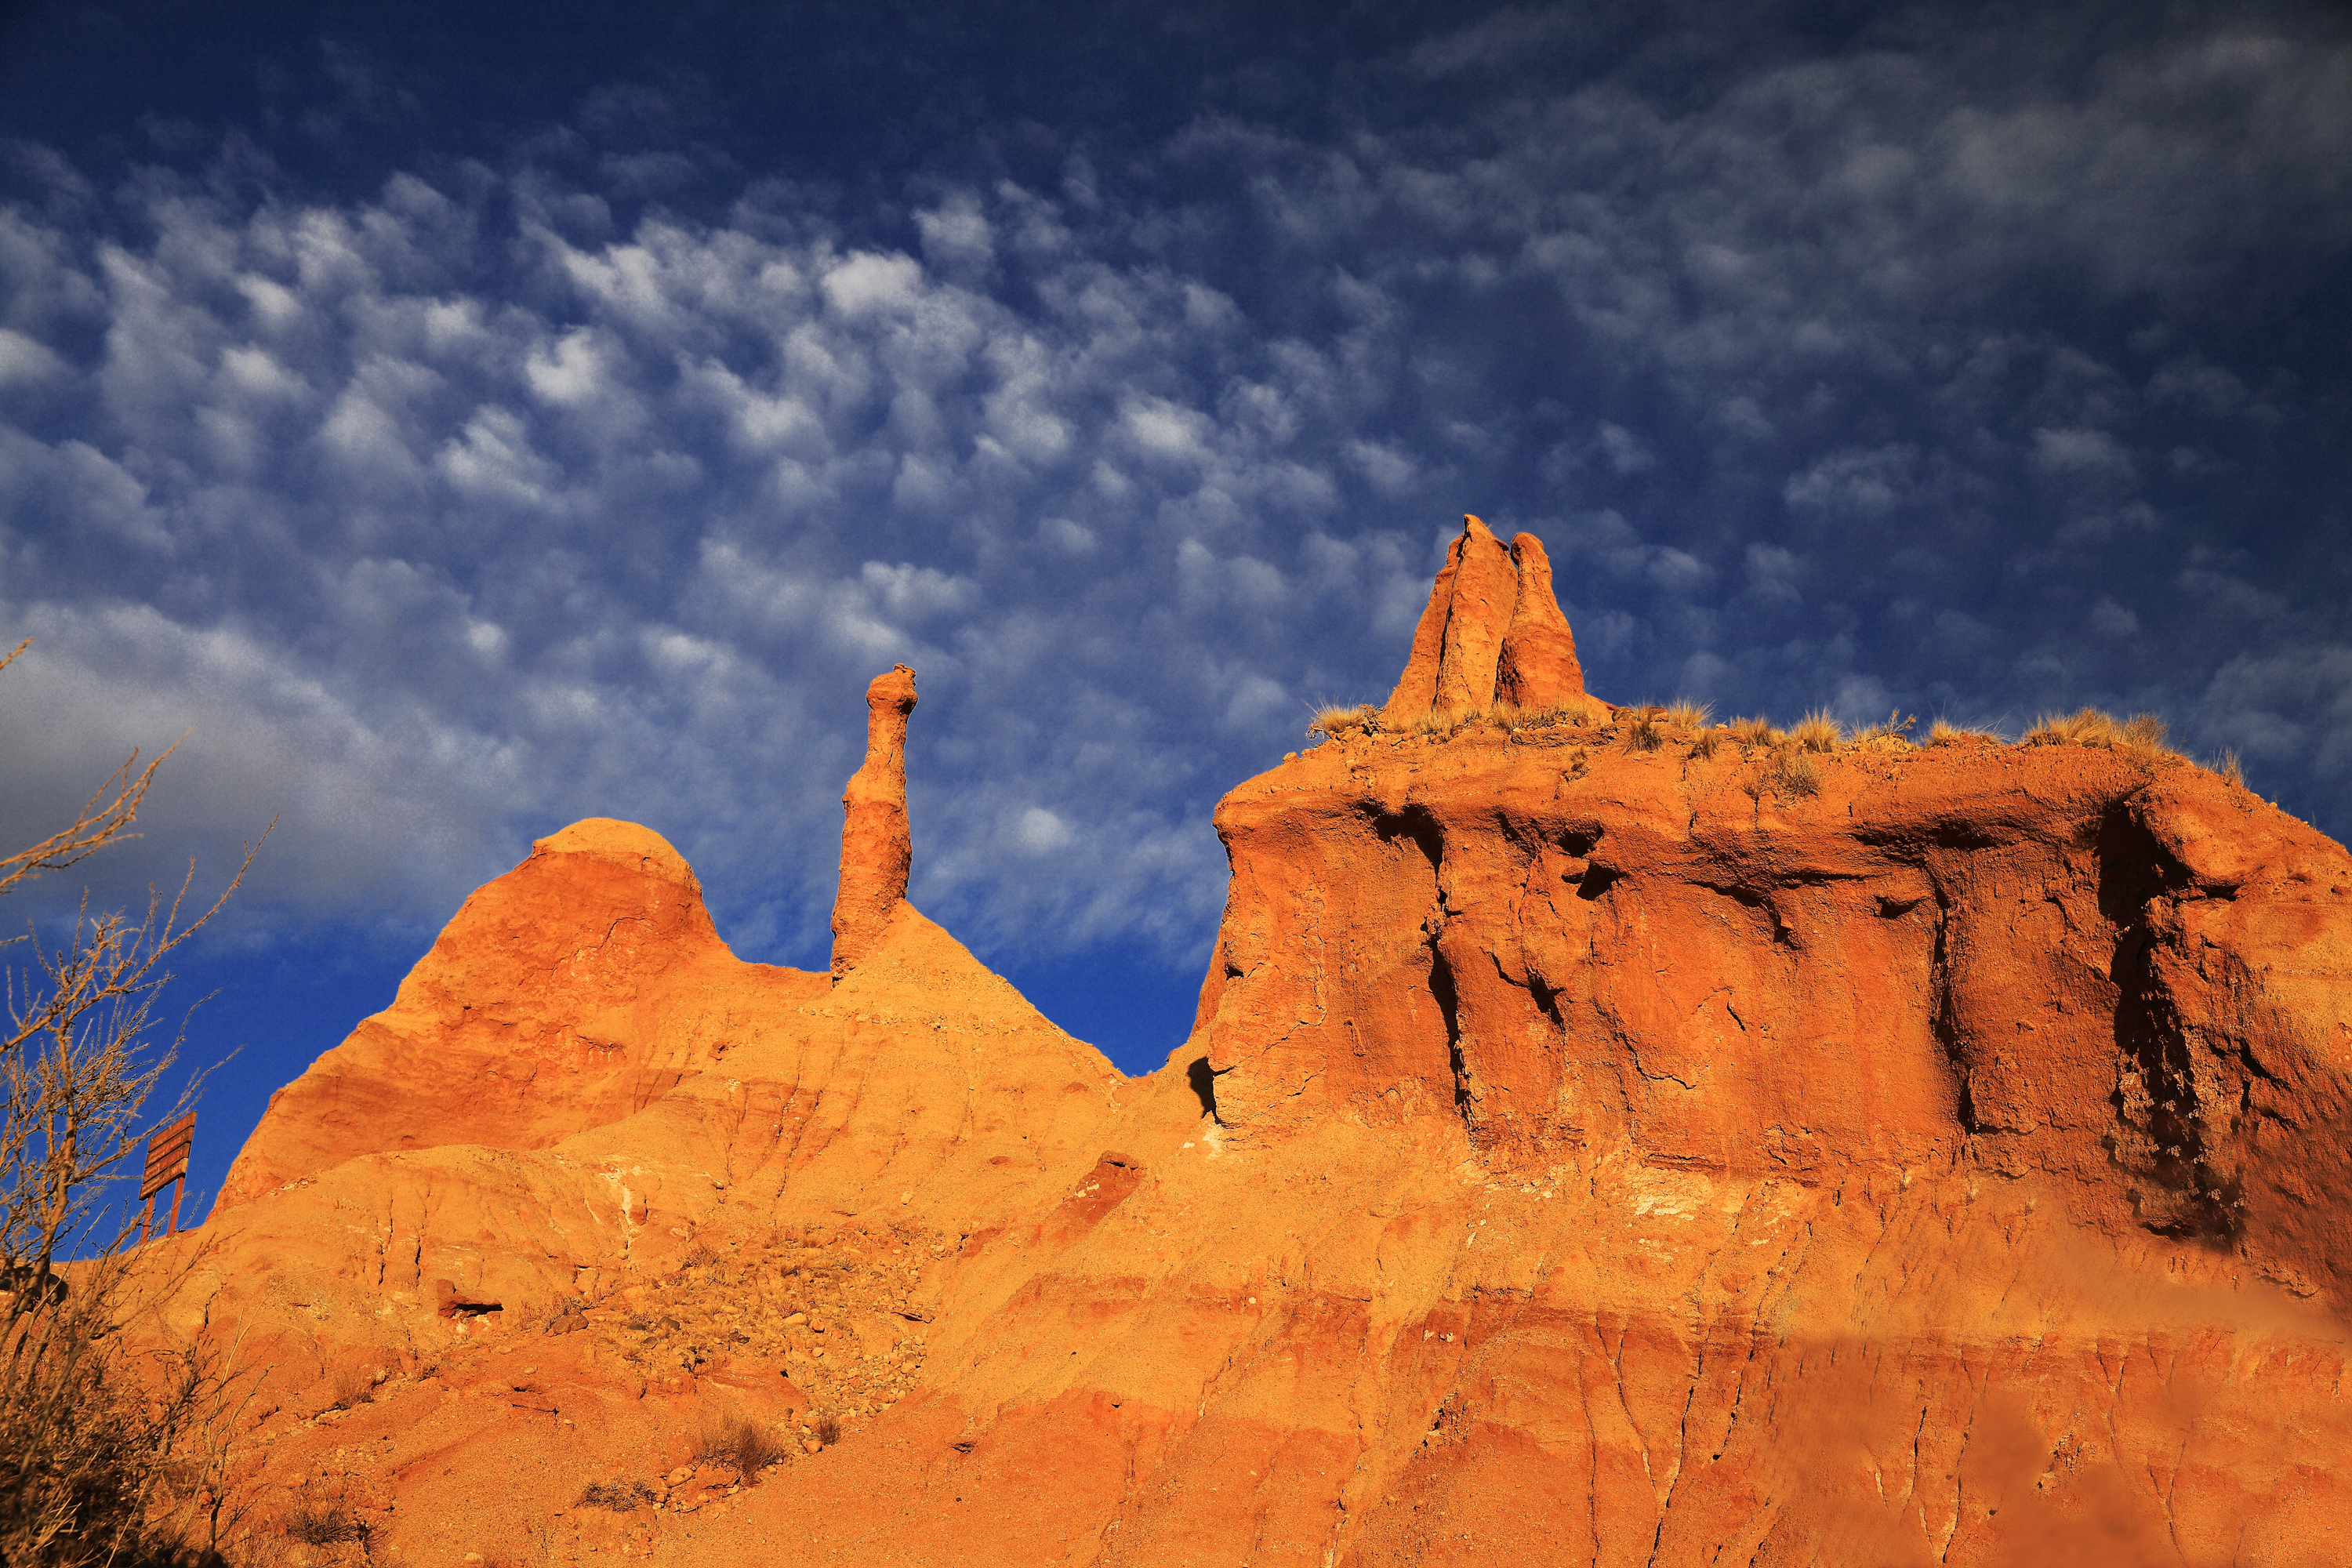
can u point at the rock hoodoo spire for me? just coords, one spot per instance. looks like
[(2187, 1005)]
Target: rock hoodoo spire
[(875, 850), (1492, 632)]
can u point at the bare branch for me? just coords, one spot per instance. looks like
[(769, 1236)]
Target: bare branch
[(100, 822), (104, 819), (112, 1428)]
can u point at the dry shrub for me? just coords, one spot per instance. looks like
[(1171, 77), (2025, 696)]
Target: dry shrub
[(1797, 774), (618, 1496), (1818, 732), (2084, 726), (828, 1430), (353, 1387), (1446, 722), (2145, 733), (746, 1446), (2148, 733), (74, 1461), (1895, 728), (112, 1450), (317, 1523), (1944, 732), (1757, 732), (1645, 729), (1337, 721), (1510, 716)]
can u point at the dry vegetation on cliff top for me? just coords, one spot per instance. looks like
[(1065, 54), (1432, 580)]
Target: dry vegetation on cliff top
[(1653, 727)]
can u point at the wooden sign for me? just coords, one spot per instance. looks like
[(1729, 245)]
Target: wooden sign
[(167, 1155), (167, 1163)]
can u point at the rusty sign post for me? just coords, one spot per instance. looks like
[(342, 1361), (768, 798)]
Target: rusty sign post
[(167, 1163)]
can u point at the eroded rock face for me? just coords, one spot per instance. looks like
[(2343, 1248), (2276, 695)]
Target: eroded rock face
[(1963, 952), (1596, 1145)]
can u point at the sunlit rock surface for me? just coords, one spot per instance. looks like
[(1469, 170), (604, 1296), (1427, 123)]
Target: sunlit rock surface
[(1600, 1141)]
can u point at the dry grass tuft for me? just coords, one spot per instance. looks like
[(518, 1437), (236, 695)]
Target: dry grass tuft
[(353, 1386), (324, 1524), (1645, 729), (1337, 721), (1894, 729), (2145, 733), (1757, 732), (2086, 727), (1818, 732), (1511, 716), (1797, 774), (1944, 732), (1443, 723), (828, 1430), (2226, 764), (1649, 726), (618, 1496), (747, 1446), (1544, 718), (1705, 742), (1446, 722)]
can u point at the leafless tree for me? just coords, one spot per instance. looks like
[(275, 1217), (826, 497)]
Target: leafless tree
[(107, 1453)]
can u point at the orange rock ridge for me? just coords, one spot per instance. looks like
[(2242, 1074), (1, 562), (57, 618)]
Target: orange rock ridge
[(1582, 1154)]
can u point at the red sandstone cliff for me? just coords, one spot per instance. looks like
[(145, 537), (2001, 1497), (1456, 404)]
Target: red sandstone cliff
[(1628, 1147)]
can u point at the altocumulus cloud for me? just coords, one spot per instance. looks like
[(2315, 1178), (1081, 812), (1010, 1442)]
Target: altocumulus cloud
[(430, 530), (1962, 369)]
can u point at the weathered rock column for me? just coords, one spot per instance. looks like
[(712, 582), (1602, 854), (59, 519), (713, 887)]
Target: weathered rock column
[(876, 853), (1485, 583), (1492, 633), (1538, 666)]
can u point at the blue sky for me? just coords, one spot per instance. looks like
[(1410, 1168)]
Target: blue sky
[(459, 420)]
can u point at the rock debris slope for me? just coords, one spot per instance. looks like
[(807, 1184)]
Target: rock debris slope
[(1603, 1140)]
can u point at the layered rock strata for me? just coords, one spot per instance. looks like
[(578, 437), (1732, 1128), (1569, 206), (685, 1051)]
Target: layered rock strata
[(1598, 1143)]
